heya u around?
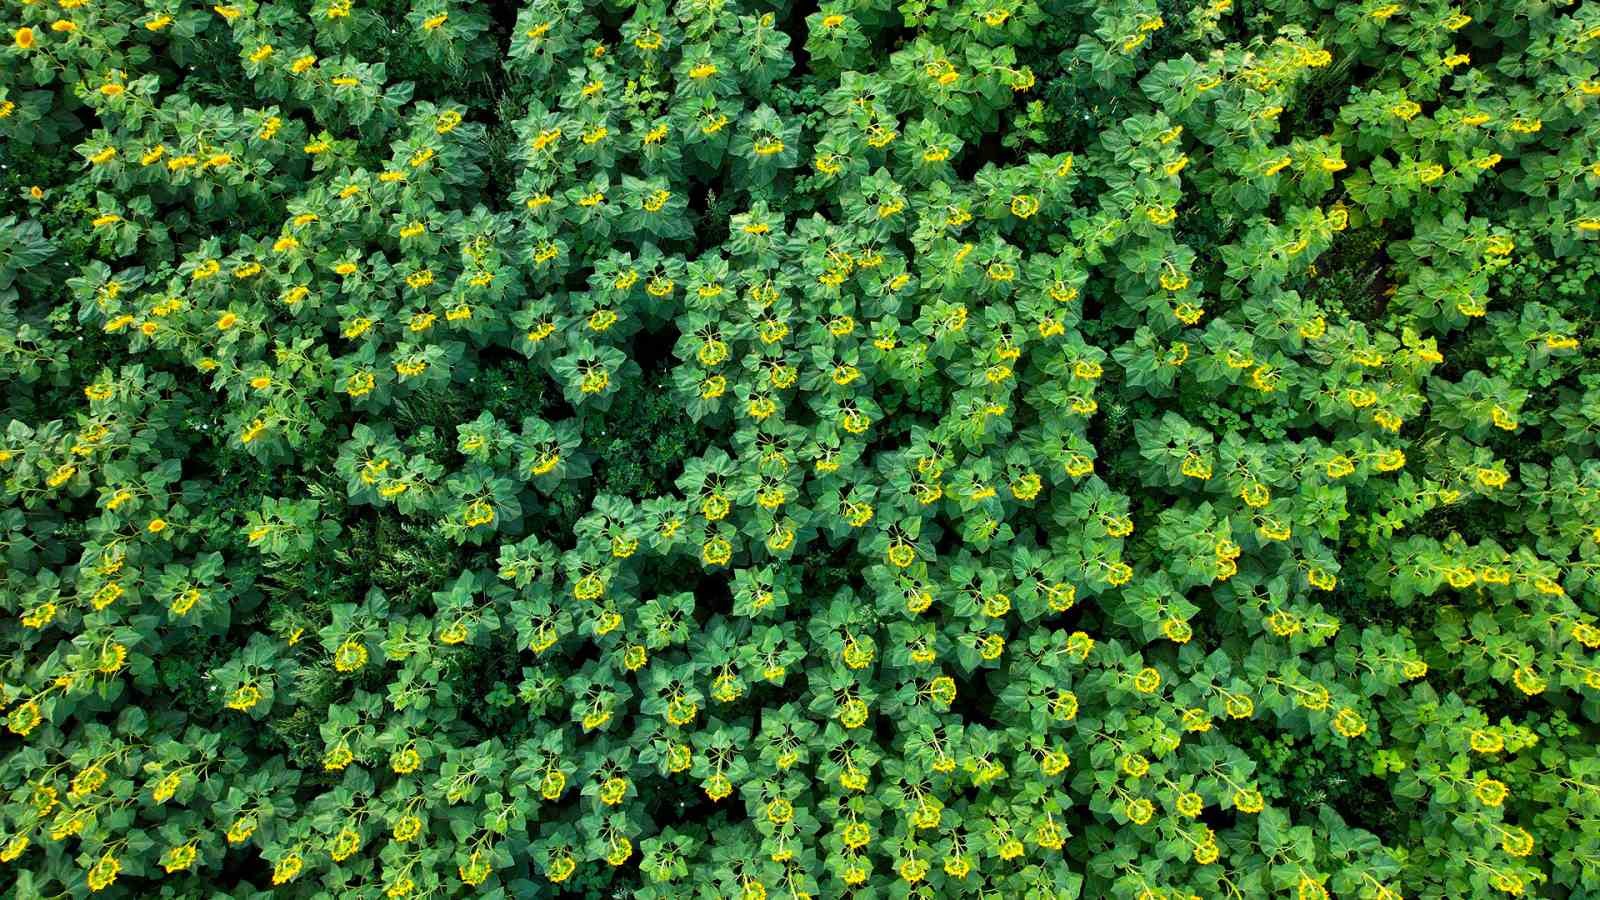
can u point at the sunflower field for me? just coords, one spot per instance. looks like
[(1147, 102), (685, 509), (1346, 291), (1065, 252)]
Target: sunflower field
[(1135, 449)]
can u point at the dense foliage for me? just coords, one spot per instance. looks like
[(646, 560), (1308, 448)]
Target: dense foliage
[(997, 448)]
